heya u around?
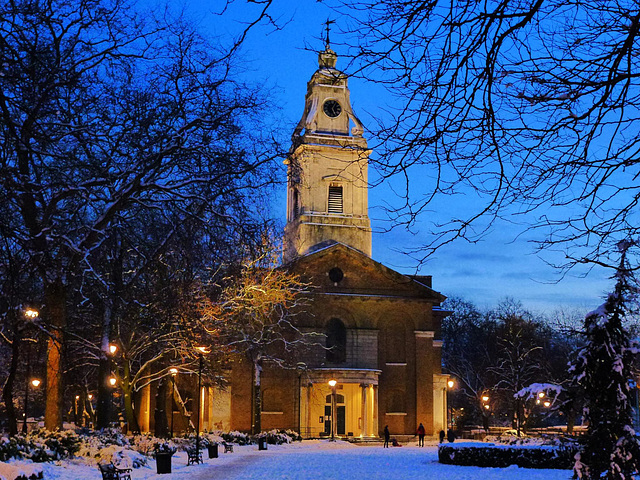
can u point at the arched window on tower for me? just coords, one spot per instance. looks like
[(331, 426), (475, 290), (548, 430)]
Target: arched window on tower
[(336, 341), (335, 199)]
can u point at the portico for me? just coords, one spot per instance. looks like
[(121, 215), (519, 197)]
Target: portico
[(356, 408)]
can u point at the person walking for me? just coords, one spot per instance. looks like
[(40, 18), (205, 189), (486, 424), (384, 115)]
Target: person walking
[(421, 432), (386, 436)]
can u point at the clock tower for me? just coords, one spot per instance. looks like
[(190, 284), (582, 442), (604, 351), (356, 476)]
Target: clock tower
[(327, 196)]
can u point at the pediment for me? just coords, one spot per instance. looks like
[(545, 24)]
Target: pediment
[(359, 275)]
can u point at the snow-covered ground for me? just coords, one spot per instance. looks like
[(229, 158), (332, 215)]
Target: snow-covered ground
[(315, 459)]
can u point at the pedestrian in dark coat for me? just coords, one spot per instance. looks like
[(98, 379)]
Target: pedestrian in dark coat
[(421, 432), (386, 436)]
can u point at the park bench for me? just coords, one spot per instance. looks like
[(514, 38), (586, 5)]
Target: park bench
[(194, 456), (228, 447), (110, 472)]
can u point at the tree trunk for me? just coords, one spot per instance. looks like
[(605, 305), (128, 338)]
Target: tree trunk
[(256, 424), (129, 410), (160, 414), (55, 300), (103, 401), (103, 406), (7, 389)]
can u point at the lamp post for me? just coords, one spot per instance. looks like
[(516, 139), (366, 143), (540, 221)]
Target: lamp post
[(332, 384), (202, 351), (36, 383), (31, 314), (112, 383), (485, 414), (450, 385), (173, 371)]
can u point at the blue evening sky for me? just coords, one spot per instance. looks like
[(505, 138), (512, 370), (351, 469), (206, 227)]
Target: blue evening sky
[(502, 265)]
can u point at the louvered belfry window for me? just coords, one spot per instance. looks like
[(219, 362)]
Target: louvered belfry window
[(335, 199)]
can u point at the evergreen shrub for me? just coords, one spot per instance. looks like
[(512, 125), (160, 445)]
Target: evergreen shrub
[(489, 455)]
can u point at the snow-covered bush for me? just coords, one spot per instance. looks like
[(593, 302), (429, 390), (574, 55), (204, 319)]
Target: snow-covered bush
[(236, 437), (164, 447), (278, 437), (40, 446), (489, 455)]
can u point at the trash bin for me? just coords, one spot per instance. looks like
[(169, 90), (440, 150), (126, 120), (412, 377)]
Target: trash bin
[(213, 450), (163, 462), (262, 443)]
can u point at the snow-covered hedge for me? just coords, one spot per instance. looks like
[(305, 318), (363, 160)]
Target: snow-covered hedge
[(490, 455)]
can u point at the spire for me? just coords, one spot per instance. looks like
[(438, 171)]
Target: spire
[(327, 58)]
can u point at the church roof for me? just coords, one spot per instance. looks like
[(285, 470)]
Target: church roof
[(363, 276)]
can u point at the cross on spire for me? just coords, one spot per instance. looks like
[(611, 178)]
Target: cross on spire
[(327, 23)]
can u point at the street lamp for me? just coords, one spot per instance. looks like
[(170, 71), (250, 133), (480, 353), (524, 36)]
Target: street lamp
[(201, 352), (173, 371), (36, 383), (450, 385), (332, 384)]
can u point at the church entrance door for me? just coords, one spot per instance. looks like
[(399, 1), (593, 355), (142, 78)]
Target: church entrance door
[(340, 415)]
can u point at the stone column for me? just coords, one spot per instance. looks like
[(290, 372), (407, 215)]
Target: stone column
[(424, 380), (308, 407), (376, 430), (364, 409)]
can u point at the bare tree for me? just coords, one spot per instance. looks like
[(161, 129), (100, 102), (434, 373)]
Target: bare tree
[(255, 315), (530, 108), (106, 113)]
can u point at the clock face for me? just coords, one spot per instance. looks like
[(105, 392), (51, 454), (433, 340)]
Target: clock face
[(332, 108)]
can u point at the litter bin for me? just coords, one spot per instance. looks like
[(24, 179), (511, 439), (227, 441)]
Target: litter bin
[(262, 443), (163, 462), (213, 450)]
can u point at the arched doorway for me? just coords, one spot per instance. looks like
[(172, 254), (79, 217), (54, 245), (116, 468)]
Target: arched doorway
[(340, 415)]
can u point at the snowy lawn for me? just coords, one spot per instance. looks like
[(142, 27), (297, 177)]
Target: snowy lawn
[(316, 459)]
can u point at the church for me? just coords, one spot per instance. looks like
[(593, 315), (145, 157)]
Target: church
[(380, 362), (377, 362)]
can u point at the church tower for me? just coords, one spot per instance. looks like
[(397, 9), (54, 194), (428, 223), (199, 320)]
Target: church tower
[(327, 197)]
